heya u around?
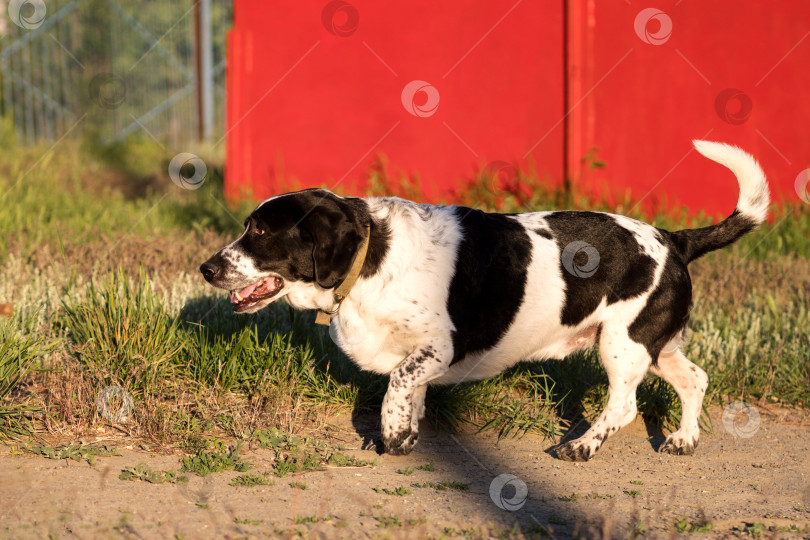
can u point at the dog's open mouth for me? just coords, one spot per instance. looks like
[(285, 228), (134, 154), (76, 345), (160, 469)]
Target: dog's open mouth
[(253, 294)]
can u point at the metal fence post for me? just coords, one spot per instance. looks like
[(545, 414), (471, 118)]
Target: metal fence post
[(205, 71)]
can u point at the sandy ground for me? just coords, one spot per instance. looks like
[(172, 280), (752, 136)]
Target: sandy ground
[(730, 482)]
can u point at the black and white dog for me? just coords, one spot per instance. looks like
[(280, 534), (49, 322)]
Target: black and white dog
[(442, 294)]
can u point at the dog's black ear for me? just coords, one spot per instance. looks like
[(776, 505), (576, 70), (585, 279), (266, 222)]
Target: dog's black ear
[(336, 235)]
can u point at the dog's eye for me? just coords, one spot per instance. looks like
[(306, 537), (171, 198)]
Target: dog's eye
[(257, 231)]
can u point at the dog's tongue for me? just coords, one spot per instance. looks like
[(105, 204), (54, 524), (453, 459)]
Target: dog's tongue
[(244, 293)]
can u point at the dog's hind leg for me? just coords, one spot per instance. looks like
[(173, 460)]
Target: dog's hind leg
[(626, 363), (690, 382)]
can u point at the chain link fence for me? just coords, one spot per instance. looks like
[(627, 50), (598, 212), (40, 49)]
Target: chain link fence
[(110, 68)]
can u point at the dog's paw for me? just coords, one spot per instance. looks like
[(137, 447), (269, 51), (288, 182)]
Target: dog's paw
[(574, 451), (678, 445), (400, 444)]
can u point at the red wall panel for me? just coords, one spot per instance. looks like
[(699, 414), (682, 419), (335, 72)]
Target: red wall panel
[(315, 93), (642, 102), (308, 107)]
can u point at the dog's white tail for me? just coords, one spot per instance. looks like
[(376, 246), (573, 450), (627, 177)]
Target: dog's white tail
[(754, 198), (752, 205)]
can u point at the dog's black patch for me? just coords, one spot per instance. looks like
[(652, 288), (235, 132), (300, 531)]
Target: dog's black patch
[(544, 233), (667, 309), (573, 452), (489, 280), (678, 448), (694, 243), (624, 271)]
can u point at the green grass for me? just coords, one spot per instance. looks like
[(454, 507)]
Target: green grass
[(103, 281), (251, 480), (594, 496), (123, 336), (443, 486), (401, 491), (759, 349), (687, 525), (217, 460), (75, 451), (388, 522), (144, 473), (20, 348), (298, 454), (407, 471), (72, 194), (515, 402)]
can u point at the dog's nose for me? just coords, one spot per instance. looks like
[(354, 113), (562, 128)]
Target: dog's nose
[(209, 271)]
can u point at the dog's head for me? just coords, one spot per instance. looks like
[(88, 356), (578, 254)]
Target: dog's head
[(302, 240)]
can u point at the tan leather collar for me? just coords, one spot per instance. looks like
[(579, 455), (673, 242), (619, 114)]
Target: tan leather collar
[(325, 317)]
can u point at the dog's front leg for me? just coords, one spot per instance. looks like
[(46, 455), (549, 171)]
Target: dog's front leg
[(404, 401)]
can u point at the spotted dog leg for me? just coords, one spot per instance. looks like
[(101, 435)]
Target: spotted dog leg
[(403, 404), (690, 382), (418, 402), (626, 363)]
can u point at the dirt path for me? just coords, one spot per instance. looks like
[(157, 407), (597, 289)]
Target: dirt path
[(763, 479)]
